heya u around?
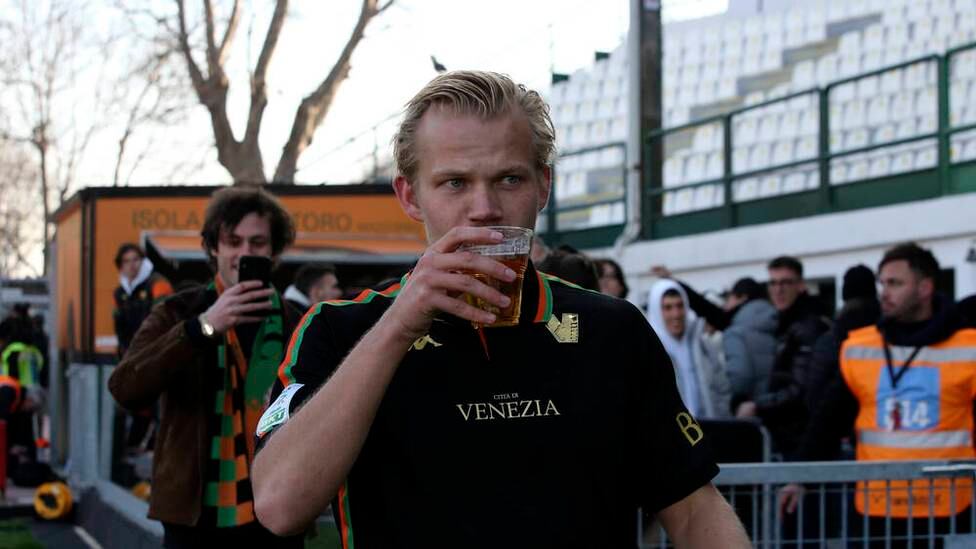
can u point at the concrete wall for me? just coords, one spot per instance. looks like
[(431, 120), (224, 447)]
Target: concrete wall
[(827, 245)]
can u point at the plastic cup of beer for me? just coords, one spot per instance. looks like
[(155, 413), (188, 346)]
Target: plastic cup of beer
[(513, 251)]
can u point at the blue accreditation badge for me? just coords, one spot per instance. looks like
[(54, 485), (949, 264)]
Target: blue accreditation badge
[(912, 405)]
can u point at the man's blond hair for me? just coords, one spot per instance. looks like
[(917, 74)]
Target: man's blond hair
[(481, 93)]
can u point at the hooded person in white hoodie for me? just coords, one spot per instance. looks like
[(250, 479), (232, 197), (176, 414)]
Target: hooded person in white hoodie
[(697, 355)]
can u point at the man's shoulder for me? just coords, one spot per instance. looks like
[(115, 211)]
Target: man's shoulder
[(367, 306), (868, 335), (568, 297), (184, 302)]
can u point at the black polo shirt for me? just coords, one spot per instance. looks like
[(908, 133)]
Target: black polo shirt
[(540, 435)]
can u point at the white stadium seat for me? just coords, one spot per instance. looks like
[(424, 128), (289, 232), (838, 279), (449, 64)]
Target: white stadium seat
[(745, 189), (884, 134), (715, 166), (903, 162), (878, 110), (868, 87), (695, 169), (769, 186), (855, 139), (925, 159), (759, 156), (768, 129), (806, 147), (794, 182), (740, 159), (789, 124), (880, 166), (838, 173), (854, 114), (902, 105), (673, 172), (857, 169), (907, 128), (783, 153), (745, 131), (927, 124)]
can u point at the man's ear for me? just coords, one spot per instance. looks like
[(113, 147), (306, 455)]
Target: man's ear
[(545, 188), (406, 194), (926, 288)]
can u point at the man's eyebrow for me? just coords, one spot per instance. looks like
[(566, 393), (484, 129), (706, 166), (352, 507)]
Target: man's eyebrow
[(514, 168), (449, 172)]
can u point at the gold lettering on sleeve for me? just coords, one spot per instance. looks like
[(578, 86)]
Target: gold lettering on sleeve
[(689, 428)]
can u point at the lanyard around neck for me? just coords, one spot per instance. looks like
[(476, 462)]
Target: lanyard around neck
[(896, 376)]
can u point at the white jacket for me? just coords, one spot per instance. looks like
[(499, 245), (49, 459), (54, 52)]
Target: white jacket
[(697, 357)]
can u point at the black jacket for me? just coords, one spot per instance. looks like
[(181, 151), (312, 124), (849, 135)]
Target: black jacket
[(834, 417), (824, 367), (783, 407)]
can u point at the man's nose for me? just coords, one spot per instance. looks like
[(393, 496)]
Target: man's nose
[(485, 206)]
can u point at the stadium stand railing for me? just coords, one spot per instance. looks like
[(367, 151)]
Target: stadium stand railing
[(826, 515)]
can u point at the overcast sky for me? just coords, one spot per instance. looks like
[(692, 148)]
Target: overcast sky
[(523, 38)]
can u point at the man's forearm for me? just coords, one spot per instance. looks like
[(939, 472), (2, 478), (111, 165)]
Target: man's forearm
[(303, 465), (718, 528), (703, 520)]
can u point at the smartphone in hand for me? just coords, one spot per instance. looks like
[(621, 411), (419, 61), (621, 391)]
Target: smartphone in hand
[(255, 267)]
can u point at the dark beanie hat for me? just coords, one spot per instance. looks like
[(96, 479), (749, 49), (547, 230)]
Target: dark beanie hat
[(747, 287), (859, 282)]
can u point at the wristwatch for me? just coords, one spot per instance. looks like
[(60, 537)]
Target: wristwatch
[(206, 327)]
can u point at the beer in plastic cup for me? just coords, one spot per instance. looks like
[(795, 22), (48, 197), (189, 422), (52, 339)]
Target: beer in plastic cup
[(513, 251)]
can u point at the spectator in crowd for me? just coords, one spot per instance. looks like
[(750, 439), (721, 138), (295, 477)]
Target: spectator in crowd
[(861, 308), (697, 358), (313, 284), (138, 290), (906, 389), (748, 324), (394, 407), (220, 343), (540, 250), (749, 341), (612, 278), (571, 267), (782, 408), (21, 393)]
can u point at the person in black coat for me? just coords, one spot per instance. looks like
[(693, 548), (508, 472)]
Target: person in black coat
[(782, 408), (861, 308)]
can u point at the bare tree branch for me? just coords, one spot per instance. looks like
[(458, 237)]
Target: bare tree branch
[(259, 94), (199, 82), (228, 39), (315, 106)]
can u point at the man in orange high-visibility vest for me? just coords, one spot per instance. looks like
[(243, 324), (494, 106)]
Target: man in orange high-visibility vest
[(907, 388)]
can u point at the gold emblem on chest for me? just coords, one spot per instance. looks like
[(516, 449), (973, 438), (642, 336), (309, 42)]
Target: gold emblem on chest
[(565, 330)]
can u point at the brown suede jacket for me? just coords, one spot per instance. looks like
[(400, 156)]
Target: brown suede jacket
[(166, 361)]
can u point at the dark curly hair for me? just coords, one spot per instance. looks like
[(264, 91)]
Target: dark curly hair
[(126, 248), (228, 206), (920, 260)]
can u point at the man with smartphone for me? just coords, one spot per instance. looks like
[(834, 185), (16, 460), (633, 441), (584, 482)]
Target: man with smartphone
[(210, 354)]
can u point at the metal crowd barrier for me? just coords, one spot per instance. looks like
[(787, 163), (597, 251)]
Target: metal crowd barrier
[(826, 515)]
